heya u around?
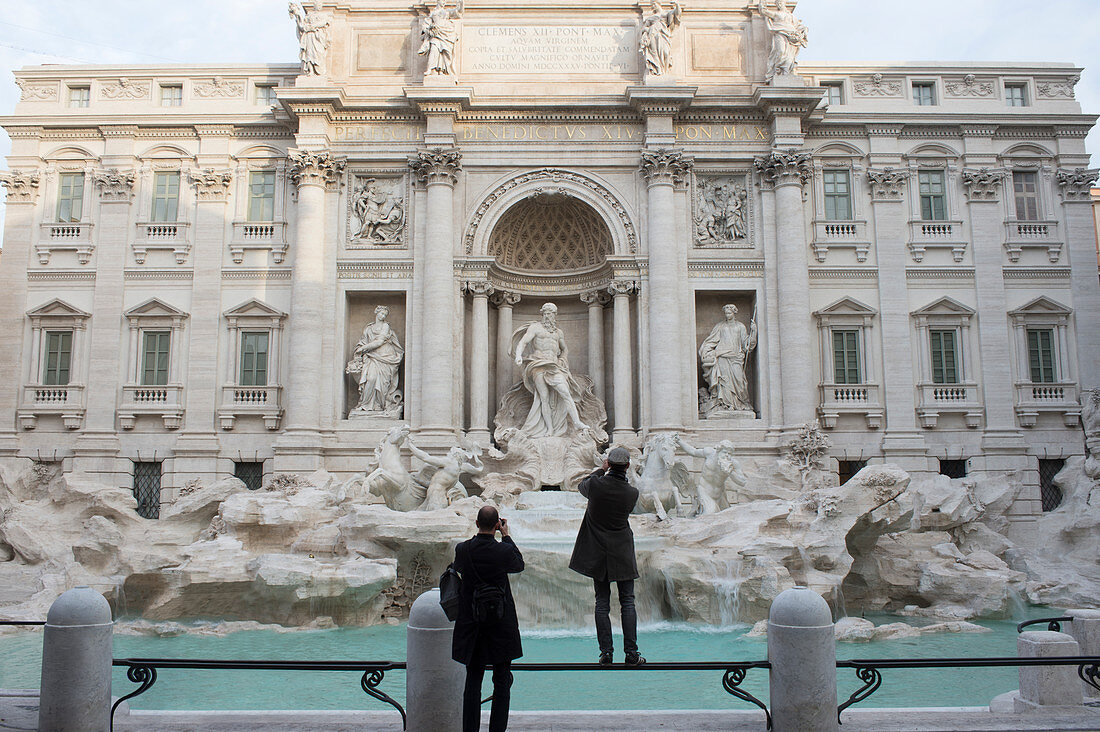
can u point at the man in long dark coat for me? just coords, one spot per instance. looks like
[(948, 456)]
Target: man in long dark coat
[(482, 561), (605, 551)]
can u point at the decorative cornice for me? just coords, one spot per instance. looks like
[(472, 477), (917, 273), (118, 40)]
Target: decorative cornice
[(725, 270), (159, 274), (319, 168), (665, 165), (1036, 273), (983, 184), (939, 273), (22, 186), (1077, 183), (843, 273), (211, 184), (119, 131), (60, 275), (114, 184), (256, 274), (886, 184), (785, 167), (982, 130), (437, 165), (478, 288), (374, 270)]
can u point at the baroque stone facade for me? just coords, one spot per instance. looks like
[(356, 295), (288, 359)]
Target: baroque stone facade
[(192, 254)]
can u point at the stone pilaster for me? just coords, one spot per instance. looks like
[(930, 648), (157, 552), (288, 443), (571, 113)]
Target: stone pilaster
[(786, 172), (505, 302), (438, 169), (663, 169), (1075, 185), (479, 291), (622, 369), (299, 449), (595, 301)]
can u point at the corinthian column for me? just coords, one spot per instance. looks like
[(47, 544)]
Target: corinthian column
[(311, 172), (504, 301), (479, 360), (622, 373), (595, 301), (662, 169), (786, 171), (438, 169)]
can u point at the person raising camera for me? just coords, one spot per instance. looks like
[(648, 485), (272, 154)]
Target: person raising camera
[(487, 630)]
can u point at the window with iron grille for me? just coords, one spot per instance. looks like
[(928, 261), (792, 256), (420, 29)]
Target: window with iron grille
[(254, 358), (147, 489), (1026, 186), (70, 197), (59, 350), (1040, 354), (953, 468), (838, 195), (933, 195), (848, 468), (945, 357), (846, 357), (261, 195), (249, 473), (166, 196), (154, 368), (1050, 494)]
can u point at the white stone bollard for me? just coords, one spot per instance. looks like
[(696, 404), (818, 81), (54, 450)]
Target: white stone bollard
[(1085, 629), (76, 664), (433, 682), (802, 651), (1047, 686)]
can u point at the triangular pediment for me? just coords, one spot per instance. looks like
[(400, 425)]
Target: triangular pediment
[(1042, 305), (945, 306), (155, 308), (846, 306), (57, 308), (254, 308)]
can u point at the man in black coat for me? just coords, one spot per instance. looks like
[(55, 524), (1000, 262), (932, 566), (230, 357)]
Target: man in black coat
[(605, 551), (483, 561)]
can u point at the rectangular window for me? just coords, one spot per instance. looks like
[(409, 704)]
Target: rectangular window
[(834, 92), (154, 364), (846, 357), (846, 469), (166, 196), (945, 356), (254, 359), (171, 96), (1026, 185), (933, 195), (265, 95), (953, 468), (261, 195), (80, 96), (924, 93), (251, 474), (59, 350), (838, 195), (1016, 95), (70, 197), (1040, 355), (147, 489)]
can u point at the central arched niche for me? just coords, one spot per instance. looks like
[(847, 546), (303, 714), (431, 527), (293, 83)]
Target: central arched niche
[(550, 232)]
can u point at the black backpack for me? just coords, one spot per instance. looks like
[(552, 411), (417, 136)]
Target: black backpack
[(489, 600), (450, 592)]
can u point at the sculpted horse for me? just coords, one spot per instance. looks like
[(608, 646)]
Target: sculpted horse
[(391, 479), (660, 481)]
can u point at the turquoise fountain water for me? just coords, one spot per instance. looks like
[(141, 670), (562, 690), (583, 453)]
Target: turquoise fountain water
[(592, 690)]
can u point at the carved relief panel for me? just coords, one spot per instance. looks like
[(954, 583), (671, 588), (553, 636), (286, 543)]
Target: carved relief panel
[(722, 210), (377, 213)]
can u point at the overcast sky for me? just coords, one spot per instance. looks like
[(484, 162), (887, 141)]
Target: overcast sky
[(199, 31)]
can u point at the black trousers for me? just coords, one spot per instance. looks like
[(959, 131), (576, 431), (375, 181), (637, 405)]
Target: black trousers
[(471, 697), (603, 615)]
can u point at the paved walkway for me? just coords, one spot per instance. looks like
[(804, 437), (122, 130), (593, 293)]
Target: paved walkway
[(19, 711)]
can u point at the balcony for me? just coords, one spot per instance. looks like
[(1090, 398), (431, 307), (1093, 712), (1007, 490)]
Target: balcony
[(838, 399), (1020, 235), (38, 400), (925, 235), (242, 401), (170, 236), (841, 234), (163, 401), (262, 235), (1031, 399), (71, 237), (937, 399)]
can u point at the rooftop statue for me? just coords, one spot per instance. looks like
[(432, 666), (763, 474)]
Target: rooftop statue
[(788, 38), (440, 34), (313, 38), (656, 37)]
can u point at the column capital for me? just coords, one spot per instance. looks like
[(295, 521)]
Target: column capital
[(785, 167), (887, 183), (211, 184), (478, 288), (504, 299), (984, 184), (320, 168), (622, 287), (437, 165), (1076, 183), (22, 186), (596, 297), (665, 165), (114, 184)]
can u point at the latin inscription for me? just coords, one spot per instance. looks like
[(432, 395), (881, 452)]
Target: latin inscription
[(551, 132), (539, 49), (377, 133)]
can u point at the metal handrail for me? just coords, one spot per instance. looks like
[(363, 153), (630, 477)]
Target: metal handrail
[(22, 622), (1054, 624)]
